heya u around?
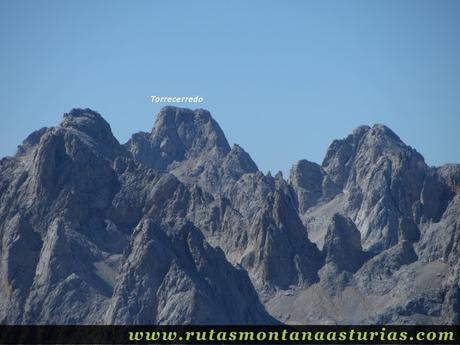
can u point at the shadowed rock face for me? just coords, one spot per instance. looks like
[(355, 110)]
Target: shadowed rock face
[(178, 227), (343, 244)]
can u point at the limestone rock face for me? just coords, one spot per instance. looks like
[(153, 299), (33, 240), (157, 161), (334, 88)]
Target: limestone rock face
[(79, 237), (178, 227), (311, 184), (191, 145), (382, 184), (175, 277), (270, 243), (343, 244)]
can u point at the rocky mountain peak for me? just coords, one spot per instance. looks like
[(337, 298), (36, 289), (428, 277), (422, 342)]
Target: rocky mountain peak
[(371, 151), (85, 124), (310, 183), (88, 113), (361, 130), (377, 180), (381, 129), (342, 244), (192, 130), (92, 129), (192, 146), (371, 142), (306, 174), (175, 227), (87, 121), (179, 134)]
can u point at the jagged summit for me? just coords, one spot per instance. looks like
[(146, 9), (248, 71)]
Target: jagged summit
[(176, 226), (191, 145), (179, 114), (196, 129), (83, 112), (376, 140), (361, 129), (79, 128), (90, 123), (381, 128), (179, 134), (375, 128)]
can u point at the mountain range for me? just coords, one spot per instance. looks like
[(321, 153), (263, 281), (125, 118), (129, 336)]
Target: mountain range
[(178, 227)]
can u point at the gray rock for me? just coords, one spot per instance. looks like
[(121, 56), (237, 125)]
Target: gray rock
[(177, 227), (74, 206), (175, 277), (343, 244), (384, 186)]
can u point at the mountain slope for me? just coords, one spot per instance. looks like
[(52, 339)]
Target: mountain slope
[(178, 227), (78, 237)]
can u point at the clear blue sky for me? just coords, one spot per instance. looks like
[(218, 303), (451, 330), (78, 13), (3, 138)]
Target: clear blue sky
[(282, 78)]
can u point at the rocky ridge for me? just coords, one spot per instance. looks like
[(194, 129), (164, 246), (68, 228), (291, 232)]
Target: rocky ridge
[(178, 227)]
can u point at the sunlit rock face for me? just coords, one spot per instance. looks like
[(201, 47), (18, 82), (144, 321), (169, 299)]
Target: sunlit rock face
[(178, 227)]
